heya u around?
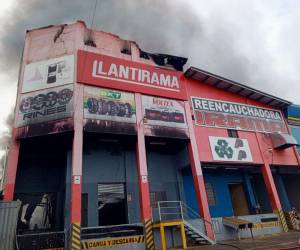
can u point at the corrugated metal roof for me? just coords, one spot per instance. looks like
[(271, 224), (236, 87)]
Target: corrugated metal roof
[(236, 88)]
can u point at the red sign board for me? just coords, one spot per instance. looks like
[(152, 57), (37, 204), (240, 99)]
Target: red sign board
[(106, 71)]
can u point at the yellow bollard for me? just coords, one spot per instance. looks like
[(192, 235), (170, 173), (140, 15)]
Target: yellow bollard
[(162, 237), (183, 238)]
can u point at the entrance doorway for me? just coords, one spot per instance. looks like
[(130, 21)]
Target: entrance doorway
[(112, 204), (238, 199)]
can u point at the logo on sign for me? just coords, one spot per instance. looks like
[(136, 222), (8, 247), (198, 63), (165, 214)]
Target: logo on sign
[(224, 150), (134, 75), (230, 149)]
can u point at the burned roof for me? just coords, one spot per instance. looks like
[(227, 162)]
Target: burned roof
[(235, 87)]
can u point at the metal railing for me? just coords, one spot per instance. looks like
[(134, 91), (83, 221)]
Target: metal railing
[(172, 210)]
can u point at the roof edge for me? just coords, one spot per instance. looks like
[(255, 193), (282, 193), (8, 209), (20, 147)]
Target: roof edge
[(191, 71)]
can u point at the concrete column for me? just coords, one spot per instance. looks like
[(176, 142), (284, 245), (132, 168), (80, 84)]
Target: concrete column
[(11, 169), (271, 188), (76, 173), (145, 207), (197, 174)]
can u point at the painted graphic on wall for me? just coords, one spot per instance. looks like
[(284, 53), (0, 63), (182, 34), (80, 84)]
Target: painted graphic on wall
[(220, 114), (230, 149), (163, 117), (49, 73), (107, 110), (45, 105)]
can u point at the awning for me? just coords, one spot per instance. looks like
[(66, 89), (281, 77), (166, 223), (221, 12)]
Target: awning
[(283, 141)]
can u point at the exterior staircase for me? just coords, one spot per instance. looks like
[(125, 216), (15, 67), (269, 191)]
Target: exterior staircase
[(195, 235), (193, 222)]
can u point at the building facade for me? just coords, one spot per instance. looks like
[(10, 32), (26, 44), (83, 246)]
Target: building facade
[(106, 133)]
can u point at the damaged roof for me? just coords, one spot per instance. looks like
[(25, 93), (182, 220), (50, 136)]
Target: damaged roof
[(235, 87)]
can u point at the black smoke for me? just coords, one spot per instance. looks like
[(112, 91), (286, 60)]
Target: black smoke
[(229, 38)]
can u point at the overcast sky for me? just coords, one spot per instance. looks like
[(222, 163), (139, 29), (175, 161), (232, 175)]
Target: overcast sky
[(253, 42)]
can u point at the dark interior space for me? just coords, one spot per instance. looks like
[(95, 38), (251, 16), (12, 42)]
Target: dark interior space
[(260, 193), (41, 181), (112, 204)]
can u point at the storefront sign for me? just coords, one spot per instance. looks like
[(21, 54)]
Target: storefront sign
[(48, 74), (45, 105), (116, 109), (214, 113), (113, 242), (163, 117), (230, 149), (106, 71)]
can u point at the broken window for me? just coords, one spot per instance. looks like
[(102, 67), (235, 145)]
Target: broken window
[(232, 133), (89, 39), (112, 204), (37, 212), (126, 48)]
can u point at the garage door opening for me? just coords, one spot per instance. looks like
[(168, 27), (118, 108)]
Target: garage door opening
[(112, 204), (238, 199)]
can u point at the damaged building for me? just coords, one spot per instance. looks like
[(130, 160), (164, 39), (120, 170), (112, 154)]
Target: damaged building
[(120, 143)]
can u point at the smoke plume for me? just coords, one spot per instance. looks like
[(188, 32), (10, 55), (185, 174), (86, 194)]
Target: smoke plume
[(252, 42)]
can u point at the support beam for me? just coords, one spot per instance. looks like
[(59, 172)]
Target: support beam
[(197, 175), (11, 169), (76, 176), (270, 185), (271, 188), (145, 208)]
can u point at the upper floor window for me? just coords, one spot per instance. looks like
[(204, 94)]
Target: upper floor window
[(233, 133)]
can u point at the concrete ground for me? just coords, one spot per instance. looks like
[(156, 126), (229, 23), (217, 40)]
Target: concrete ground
[(282, 241)]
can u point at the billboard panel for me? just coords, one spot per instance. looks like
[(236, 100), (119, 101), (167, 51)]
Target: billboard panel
[(45, 105), (230, 149), (107, 110), (111, 72), (221, 114), (47, 74), (164, 117)]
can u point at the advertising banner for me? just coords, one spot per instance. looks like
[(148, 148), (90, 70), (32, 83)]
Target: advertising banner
[(107, 71), (45, 105), (220, 114), (107, 110), (47, 74), (164, 117), (230, 149)]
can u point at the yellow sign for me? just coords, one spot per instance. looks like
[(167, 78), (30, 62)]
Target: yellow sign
[(266, 224), (95, 244)]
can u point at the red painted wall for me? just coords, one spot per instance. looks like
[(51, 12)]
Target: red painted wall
[(256, 140)]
